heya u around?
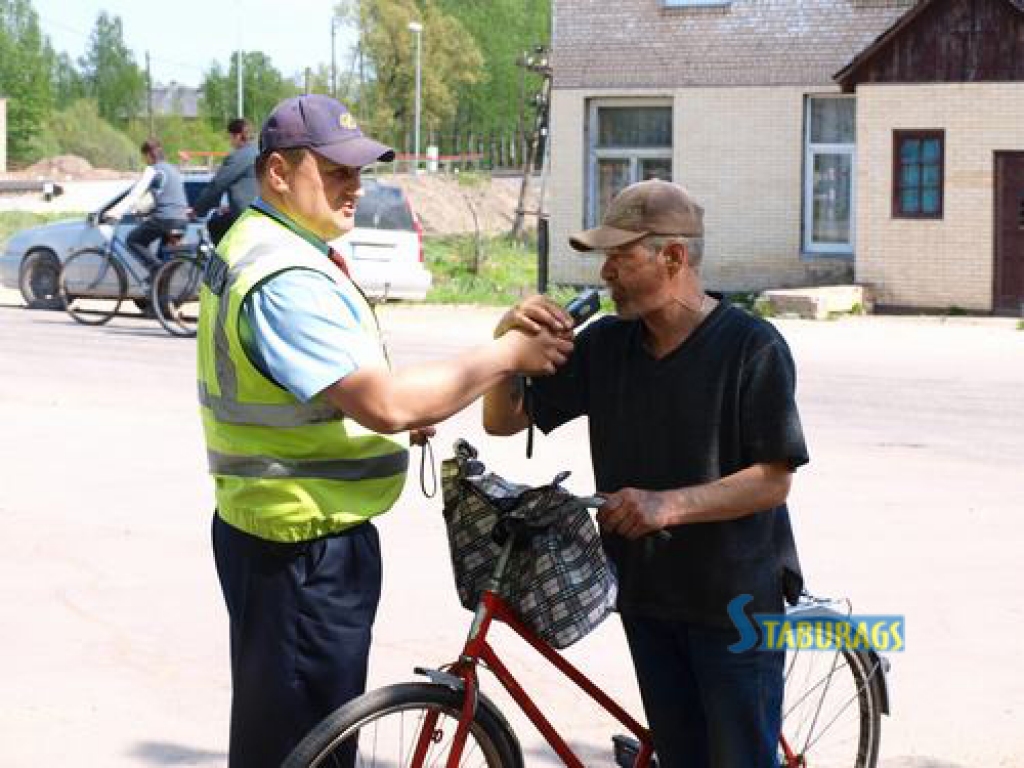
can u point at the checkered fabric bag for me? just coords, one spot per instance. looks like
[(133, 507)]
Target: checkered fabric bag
[(560, 582)]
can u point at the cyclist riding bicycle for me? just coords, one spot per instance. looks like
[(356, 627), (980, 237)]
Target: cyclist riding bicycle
[(159, 197)]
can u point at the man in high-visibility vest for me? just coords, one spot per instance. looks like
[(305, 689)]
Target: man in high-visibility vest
[(300, 408)]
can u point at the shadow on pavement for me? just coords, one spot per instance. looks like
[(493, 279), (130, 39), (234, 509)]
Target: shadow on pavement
[(161, 753)]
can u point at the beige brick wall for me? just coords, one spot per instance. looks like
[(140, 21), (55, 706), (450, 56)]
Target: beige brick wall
[(739, 150), (933, 263)]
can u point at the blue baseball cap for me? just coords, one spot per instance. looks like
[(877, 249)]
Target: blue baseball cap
[(323, 125)]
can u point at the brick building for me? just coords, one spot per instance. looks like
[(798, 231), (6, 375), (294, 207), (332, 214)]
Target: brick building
[(738, 102), (940, 171)]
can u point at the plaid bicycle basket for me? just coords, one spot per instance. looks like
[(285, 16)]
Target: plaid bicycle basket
[(559, 583)]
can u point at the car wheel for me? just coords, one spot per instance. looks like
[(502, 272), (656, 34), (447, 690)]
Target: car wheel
[(39, 280)]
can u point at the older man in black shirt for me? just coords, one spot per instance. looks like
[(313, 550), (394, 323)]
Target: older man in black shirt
[(693, 429)]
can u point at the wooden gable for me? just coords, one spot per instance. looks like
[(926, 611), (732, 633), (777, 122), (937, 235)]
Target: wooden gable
[(945, 41)]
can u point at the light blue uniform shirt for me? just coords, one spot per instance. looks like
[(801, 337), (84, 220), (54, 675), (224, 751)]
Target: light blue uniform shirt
[(301, 331)]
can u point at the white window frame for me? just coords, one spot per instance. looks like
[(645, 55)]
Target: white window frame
[(811, 150), (633, 154)]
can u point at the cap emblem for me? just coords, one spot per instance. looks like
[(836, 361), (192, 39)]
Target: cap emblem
[(347, 121)]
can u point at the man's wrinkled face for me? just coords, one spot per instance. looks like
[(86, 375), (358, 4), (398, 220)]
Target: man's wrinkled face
[(637, 278), (322, 195)]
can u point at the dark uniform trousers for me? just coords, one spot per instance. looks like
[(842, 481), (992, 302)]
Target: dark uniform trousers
[(301, 617)]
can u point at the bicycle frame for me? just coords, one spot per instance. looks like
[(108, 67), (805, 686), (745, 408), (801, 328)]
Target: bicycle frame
[(117, 248), (477, 649)]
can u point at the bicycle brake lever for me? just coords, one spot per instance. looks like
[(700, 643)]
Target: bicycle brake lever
[(596, 502)]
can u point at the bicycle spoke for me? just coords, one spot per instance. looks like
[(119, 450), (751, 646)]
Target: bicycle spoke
[(830, 716), (406, 726)]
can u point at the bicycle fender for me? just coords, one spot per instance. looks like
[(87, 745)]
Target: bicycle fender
[(456, 683), (881, 679), (822, 607)]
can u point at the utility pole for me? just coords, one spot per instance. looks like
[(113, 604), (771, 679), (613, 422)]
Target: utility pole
[(537, 63), (417, 29), (238, 84), (149, 94), (334, 62)]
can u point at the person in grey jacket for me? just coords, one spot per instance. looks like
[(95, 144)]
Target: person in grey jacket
[(235, 177), (169, 209)]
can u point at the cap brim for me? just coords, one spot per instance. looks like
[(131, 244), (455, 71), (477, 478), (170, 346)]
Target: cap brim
[(602, 238), (356, 152)]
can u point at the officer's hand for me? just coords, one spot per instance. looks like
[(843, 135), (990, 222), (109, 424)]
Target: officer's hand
[(536, 354), (633, 513), (534, 313)]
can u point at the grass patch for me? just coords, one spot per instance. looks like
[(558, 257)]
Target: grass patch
[(15, 221), (473, 179), (506, 271)]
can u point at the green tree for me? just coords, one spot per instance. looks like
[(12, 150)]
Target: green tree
[(451, 61), (112, 76), (504, 30), (68, 83), (263, 87), (25, 57), (178, 133), (80, 130)]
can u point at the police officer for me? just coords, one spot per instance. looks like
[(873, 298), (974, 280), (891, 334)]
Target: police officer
[(301, 412)]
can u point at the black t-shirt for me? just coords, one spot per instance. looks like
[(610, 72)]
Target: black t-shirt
[(720, 402)]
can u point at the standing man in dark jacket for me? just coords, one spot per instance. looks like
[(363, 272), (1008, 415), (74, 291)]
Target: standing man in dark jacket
[(236, 177)]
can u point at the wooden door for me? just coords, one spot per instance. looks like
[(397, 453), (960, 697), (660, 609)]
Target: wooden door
[(1008, 293)]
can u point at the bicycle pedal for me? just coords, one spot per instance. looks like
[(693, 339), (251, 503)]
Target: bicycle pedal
[(626, 750)]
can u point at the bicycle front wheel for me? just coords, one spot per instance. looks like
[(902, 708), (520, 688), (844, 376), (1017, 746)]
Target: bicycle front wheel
[(174, 295), (92, 286), (409, 725), (831, 714)]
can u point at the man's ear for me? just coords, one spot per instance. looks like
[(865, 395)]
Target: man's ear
[(278, 172), (676, 256)]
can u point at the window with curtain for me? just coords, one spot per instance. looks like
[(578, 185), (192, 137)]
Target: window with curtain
[(829, 152), (627, 143)]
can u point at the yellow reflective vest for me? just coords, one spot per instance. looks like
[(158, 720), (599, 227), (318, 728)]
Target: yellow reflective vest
[(284, 470)]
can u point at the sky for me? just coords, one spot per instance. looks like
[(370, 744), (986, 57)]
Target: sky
[(184, 37)]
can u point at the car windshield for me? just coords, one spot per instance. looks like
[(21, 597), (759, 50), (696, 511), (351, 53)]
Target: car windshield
[(383, 207)]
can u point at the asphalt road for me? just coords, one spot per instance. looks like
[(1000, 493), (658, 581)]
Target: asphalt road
[(113, 637)]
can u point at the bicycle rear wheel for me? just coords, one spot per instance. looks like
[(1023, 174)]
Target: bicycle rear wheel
[(410, 724), (174, 295), (92, 286), (831, 713)]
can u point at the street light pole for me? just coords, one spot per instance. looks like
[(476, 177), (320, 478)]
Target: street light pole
[(417, 29), (238, 84), (334, 65)]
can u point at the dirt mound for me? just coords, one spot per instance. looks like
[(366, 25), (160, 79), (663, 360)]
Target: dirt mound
[(66, 168), (447, 206)]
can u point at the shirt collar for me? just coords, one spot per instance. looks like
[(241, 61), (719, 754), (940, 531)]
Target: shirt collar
[(284, 220)]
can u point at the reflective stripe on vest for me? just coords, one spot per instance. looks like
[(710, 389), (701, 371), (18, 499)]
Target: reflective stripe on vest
[(326, 469), (259, 415)]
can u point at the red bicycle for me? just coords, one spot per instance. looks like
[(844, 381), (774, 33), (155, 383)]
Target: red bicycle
[(832, 708)]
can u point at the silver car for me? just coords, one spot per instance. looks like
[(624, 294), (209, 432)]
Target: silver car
[(384, 251), (32, 258)]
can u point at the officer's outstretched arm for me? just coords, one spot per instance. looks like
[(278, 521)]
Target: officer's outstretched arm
[(392, 401)]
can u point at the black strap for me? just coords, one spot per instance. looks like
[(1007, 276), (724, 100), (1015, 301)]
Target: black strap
[(423, 470), (528, 409)]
